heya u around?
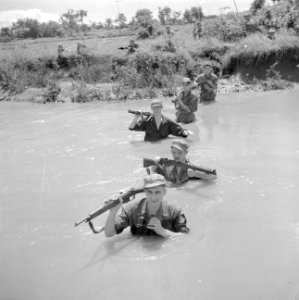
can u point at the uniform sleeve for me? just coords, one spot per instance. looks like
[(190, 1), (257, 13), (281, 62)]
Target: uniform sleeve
[(175, 129), (122, 220), (180, 222), (140, 126), (193, 103), (200, 79)]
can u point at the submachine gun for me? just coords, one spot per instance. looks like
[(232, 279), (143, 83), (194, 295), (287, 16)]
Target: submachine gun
[(114, 201)]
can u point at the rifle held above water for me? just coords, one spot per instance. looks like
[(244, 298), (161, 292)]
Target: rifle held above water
[(126, 197), (147, 162)]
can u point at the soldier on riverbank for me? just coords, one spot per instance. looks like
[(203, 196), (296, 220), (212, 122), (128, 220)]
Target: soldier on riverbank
[(149, 216), (157, 126), (132, 47), (197, 30)]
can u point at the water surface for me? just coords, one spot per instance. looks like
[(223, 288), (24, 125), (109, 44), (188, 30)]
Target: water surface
[(58, 162)]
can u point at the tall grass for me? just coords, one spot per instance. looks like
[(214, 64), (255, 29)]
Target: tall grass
[(257, 49)]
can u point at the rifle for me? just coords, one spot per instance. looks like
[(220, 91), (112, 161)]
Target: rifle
[(122, 48), (147, 162), (126, 197), (135, 112), (220, 77)]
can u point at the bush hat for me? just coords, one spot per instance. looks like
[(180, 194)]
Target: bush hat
[(156, 102), (153, 180), (207, 64), (180, 144)]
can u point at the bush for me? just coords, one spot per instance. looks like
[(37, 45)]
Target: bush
[(257, 50), (229, 27), (274, 80), (143, 34)]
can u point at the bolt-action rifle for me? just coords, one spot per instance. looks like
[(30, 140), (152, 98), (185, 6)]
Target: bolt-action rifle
[(147, 162), (136, 112), (125, 197)]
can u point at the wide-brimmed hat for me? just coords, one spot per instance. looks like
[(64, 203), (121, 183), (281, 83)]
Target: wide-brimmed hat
[(153, 180), (156, 102), (180, 144)]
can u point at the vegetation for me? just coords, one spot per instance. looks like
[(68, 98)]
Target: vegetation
[(231, 42)]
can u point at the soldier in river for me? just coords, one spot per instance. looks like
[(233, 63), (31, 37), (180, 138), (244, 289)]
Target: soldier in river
[(157, 126), (186, 102), (132, 47), (179, 174), (208, 84), (149, 216)]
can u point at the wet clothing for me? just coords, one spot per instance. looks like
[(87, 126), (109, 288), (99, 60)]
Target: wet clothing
[(152, 133), (189, 100), (207, 82), (173, 173), (136, 215)]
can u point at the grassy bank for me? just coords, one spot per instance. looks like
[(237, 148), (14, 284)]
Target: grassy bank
[(157, 66)]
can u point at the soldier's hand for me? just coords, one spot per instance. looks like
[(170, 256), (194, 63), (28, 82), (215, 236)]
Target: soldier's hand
[(155, 225), (185, 133)]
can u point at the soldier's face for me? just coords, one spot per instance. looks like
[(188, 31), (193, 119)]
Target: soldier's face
[(178, 155), (155, 194), (207, 69), (156, 109)]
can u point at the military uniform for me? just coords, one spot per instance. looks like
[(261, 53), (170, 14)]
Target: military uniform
[(152, 133), (136, 215), (206, 94), (189, 100)]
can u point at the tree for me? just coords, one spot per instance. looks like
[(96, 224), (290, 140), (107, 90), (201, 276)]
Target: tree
[(26, 28), (161, 17), (166, 11), (187, 16), (121, 20), (82, 13), (256, 5), (5, 31), (108, 23), (175, 17), (196, 13), (144, 17), (69, 20)]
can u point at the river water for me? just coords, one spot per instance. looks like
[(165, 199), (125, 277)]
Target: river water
[(60, 162)]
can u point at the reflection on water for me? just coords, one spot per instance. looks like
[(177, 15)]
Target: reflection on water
[(60, 162)]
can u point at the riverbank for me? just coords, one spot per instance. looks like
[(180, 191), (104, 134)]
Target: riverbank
[(102, 72)]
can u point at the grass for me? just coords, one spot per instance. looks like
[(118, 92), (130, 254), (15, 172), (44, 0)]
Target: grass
[(33, 63)]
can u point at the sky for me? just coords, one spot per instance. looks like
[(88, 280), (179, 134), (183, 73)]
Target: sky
[(100, 10)]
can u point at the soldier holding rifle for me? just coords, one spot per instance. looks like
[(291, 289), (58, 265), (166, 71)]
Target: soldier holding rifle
[(208, 84), (181, 171), (149, 216), (156, 126), (132, 47), (186, 102)]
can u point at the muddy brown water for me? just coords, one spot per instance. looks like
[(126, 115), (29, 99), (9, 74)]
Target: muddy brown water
[(58, 162)]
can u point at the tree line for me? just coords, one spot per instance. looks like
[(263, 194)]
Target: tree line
[(73, 22)]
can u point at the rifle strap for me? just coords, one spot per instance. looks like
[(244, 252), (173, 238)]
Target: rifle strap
[(93, 229)]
